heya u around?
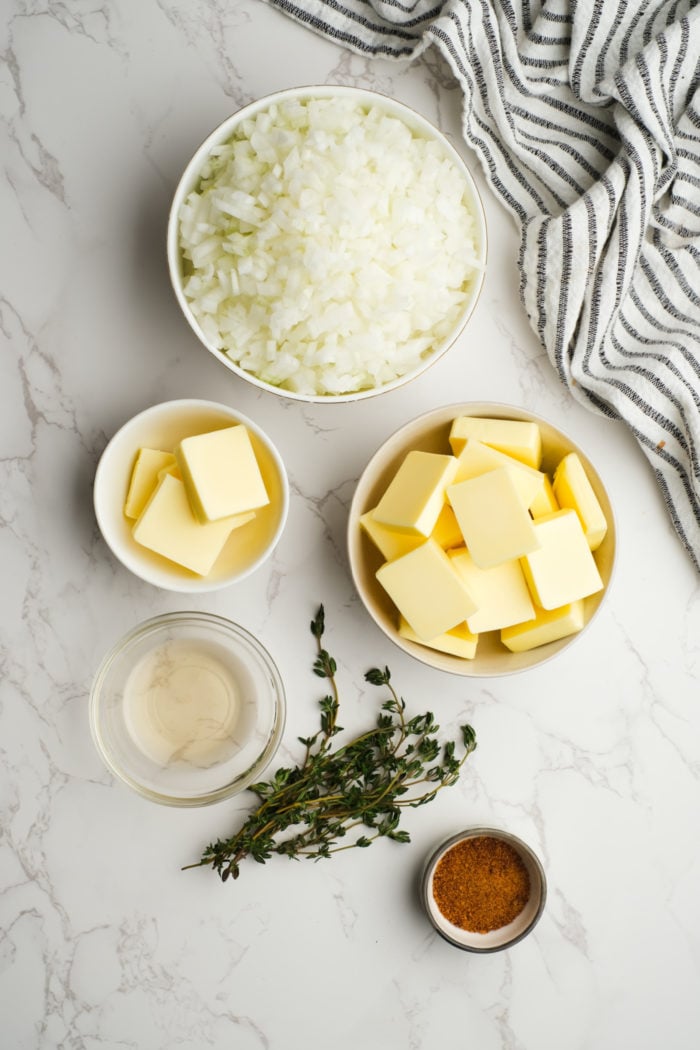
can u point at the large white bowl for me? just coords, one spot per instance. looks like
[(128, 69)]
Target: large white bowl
[(190, 179), (163, 426), (430, 433)]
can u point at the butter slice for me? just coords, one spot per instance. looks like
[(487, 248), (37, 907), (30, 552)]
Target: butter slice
[(144, 478), (389, 542), (495, 524), (476, 459), (447, 533), (563, 569), (501, 593), (426, 590), (168, 527), (573, 489), (458, 642), (549, 625), (416, 494), (545, 501), (514, 437), (221, 473)]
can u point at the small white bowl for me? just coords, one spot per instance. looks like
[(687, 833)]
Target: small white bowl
[(163, 426), (146, 717), (505, 936), (223, 133), (430, 433)]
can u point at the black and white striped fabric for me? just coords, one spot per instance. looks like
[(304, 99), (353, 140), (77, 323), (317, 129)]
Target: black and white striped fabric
[(585, 115)]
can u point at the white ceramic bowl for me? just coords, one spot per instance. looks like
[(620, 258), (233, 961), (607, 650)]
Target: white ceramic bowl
[(154, 738), (505, 936), (161, 427), (190, 180), (430, 433)]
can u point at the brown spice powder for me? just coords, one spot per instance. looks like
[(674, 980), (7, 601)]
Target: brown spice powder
[(481, 884)]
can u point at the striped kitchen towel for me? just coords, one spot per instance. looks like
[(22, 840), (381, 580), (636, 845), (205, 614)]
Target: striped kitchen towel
[(585, 115)]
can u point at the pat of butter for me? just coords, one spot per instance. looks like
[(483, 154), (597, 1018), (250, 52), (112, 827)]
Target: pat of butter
[(144, 478), (458, 642), (390, 543), (545, 501), (495, 524), (501, 593), (221, 473), (573, 489), (549, 625), (426, 590), (476, 459), (516, 438), (447, 533), (168, 527), (563, 569), (416, 494)]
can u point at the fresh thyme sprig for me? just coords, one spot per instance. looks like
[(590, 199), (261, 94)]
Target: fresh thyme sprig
[(361, 787)]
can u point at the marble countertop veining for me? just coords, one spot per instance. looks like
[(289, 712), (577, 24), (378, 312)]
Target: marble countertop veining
[(594, 759)]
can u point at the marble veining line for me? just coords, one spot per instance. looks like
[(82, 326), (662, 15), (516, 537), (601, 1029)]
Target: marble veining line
[(650, 705), (327, 507), (215, 20)]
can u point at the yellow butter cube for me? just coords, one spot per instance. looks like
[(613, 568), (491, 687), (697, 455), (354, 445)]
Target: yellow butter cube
[(495, 524), (426, 590), (516, 438), (447, 533), (458, 642), (501, 593), (144, 478), (545, 501), (476, 459), (390, 543), (563, 569), (168, 527), (221, 473), (573, 489), (549, 625), (416, 494)]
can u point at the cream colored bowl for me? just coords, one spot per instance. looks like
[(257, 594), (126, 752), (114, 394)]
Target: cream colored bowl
[(430, 433), (191, 178), (163, 426)]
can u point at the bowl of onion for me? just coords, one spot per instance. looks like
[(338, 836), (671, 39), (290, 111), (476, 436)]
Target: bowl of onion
[(326, 243)]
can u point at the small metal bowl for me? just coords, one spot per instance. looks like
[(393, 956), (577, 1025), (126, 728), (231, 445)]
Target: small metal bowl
[(505, 936)]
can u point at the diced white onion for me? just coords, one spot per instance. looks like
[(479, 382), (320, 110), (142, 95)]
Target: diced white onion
[(329, 246)]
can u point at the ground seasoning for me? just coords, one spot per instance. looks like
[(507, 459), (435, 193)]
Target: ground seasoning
[(481, 884)]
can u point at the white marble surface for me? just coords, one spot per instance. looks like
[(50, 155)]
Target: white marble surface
[(594, 759)]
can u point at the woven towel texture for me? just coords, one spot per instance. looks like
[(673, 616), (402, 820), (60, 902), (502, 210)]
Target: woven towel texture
[(586, 119)]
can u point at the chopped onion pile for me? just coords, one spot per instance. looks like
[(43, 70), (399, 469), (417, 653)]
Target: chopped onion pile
[(329, 247)]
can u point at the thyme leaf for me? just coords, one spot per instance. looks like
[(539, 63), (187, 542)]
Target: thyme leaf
[(357, 790)]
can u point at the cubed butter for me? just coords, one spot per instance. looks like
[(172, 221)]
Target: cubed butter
[(492, 518), (516, 438), (426, 590), (501, 593), (168, 527), (458, 642), (416, 494), (476, 459), (447, 533), (572, 488), (549, 625), (545, 501), (563, 569), (390, 543), (144, 478), (221, 473)]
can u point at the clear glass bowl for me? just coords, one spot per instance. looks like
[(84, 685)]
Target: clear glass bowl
[(187, 709)]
